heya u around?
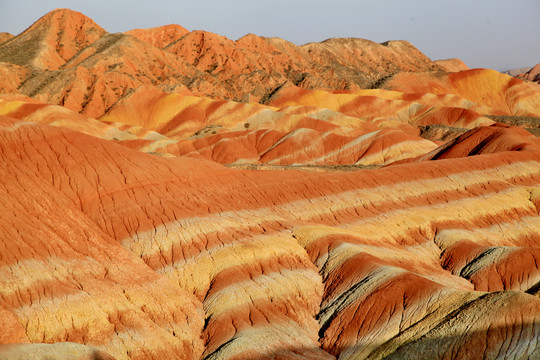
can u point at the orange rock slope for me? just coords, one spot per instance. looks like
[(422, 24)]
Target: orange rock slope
[(67, 59), (263, 263), (123, 236)]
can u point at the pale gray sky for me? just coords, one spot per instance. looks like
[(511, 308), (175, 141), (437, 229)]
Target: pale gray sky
[(497, 34)]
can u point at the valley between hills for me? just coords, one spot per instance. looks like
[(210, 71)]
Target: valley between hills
[(175, 194)]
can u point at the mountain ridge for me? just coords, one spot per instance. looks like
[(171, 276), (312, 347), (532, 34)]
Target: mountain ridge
[(233, 70)]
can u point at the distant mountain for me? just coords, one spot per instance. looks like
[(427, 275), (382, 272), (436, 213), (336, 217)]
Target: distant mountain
[(51, 41), (452, 65), (532, 74), (161, 36), (65, 58), (515, 72)]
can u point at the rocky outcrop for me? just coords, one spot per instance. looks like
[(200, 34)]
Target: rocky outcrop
[(517, 71), (532, 74)]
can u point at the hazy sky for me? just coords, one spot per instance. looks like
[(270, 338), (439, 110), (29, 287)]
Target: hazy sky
[(498, 34)]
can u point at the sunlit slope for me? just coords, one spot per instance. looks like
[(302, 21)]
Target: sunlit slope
[(32, 111), (52, 40), (482, 86), (65, 58), (64, 278), (368, 261), (160, 36), (230, 132), (372, 206)]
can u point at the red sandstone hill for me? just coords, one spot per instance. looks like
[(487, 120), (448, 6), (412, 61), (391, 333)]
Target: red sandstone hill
[(51, 41), (51, 57), (138, 256), (123, 236)]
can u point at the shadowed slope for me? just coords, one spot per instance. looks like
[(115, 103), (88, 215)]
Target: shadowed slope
[(12, 77)]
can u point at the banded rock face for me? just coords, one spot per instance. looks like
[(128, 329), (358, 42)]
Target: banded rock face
[(484, 140), (123, 236), (310, 127), (67, 280), (186, 227), (503, 93), (229, 132)]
